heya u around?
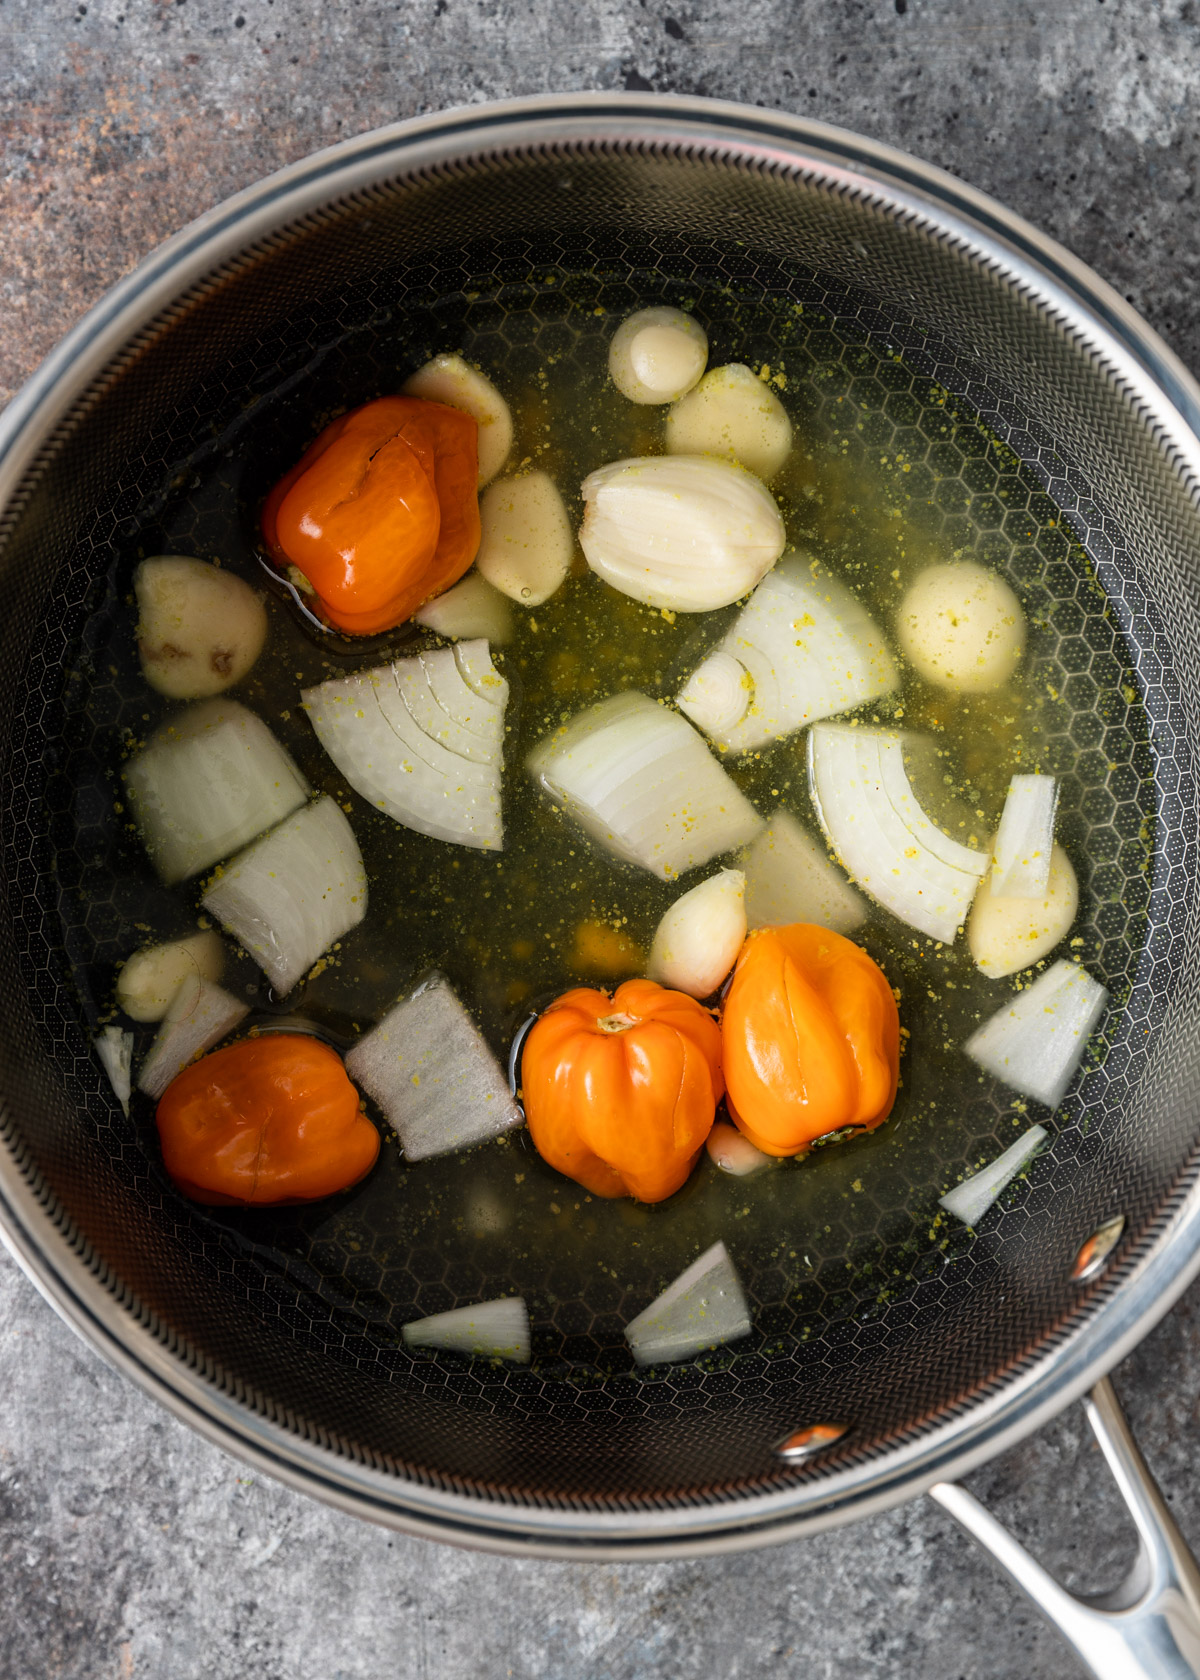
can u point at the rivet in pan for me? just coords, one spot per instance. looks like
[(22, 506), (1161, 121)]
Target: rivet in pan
[(1096, 1249), (812, 1439)]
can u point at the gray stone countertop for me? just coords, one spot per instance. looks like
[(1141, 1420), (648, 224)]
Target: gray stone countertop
[(130, 1547)]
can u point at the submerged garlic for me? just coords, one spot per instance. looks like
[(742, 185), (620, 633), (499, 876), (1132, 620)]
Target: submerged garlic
[(657, 355), (1008, 934), (732, 413), (686, 533), (526, 543), (451, 380), (698, 940), (471, 608)]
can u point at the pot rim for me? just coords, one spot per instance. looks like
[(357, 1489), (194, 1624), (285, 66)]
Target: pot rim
[(1022, 256)]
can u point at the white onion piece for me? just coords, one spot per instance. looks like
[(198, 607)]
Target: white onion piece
[(733, 413), (200, 1015), (451, 380), (790, 878), (493, 1330), (114, 1052), (430, 1070), (376, 726), (151, 977), (294, 893), (657, 355), (472, 607), (808, 649), (866, 806), (717, 694), (684, 532), (698, 939), (733, 1152), (640, 780), (1007, 934), (1035, 1043), (971, 1199), (208, 782), (200, 628), (1025, 838), (704, 1307), (526, 541)]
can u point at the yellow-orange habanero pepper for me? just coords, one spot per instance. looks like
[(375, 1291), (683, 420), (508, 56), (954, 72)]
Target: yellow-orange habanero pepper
[(811, 1038), (380, 513), (620, 1091)]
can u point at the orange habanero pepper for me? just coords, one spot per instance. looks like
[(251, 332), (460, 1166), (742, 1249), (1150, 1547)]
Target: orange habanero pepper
[(811, 1038), (268, 1120), (620, 1092), (380, 513)]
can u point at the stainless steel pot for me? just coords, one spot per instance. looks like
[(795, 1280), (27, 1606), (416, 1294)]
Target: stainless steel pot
[(972, 1352)]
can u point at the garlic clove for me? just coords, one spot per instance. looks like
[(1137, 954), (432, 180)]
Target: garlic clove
[(657, 355), (732, 413), (733, 1152), (1008, 934), (469, 609), (150, 979), (697, 941), (717, 694), (961, 627), (526, 542), (453, 381)]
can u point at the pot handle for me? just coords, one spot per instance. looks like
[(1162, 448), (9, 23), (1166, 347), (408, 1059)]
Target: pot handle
[(1149, 1627)]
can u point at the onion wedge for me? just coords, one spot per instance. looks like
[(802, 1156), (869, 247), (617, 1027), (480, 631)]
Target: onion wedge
[(640, 780), (871, 818), (428, 1067), (808, 649), (201, 1014), (423, 740), (208, 782), (1025, 839), (294, 893), (790, 878), (1036, 1042), (971, 1199), (704, 1307), (493, 1330)]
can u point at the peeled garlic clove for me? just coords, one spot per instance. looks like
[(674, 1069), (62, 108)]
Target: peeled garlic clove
[(686, 532), (148, 982), (470, 609), (657, 355), (733, 1152), (526, 542), (961, 627), (1007, 934), (732, 413), (698, 940), (717, 694), (451, 380), (200, 628)]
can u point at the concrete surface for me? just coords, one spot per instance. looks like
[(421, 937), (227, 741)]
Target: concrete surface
[(127, 1546)]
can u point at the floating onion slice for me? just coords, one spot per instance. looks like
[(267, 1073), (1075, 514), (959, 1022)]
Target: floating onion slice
[(294, 893), (640, 780), (208, 782), (698, 939), (1036, 1042), (733, 1152), (494, 1330), (971, 1199), (704, 1307), (422, 739), (431, 1072), (114, 1052), (871, 818), (684, 532), (471, 608), (790, 878), (1025, 839), (201, 1014), (807, 649)]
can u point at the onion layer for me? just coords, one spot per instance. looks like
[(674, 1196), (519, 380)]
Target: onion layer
[(1036, 1042), (493, 1330), (201, 1014), (704, 1307), (866, 805), (114, 1052), (971, 1199), (790, 878), (638, 778), (1025, 838), (294, 893)]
